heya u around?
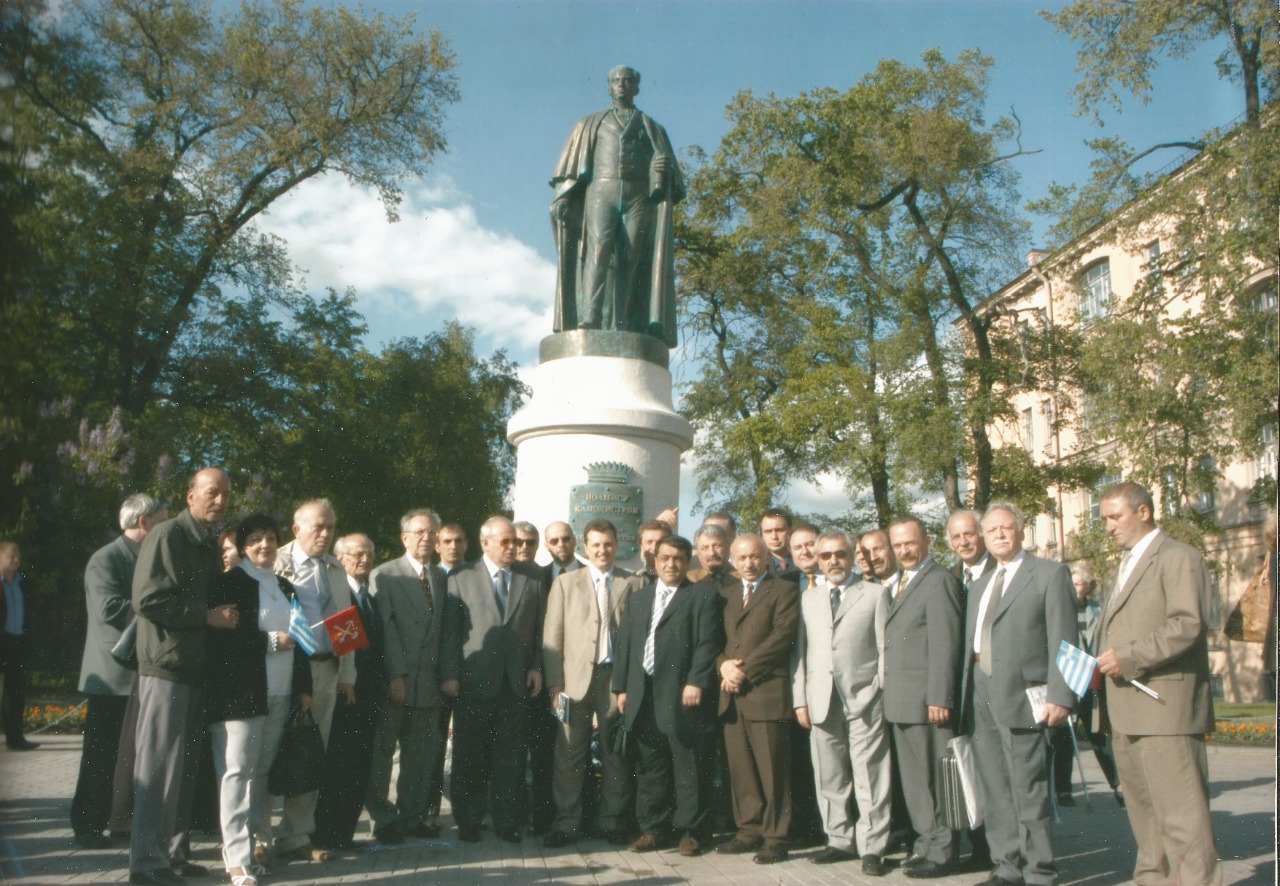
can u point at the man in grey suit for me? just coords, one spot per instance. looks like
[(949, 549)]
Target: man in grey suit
[(322, 589), (835, 684), (1015, 623), (1154, 630), (108, 584), (410, 594), (921, 670), (492, 666)]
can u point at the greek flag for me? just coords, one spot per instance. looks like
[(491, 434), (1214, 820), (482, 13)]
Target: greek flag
[(1077, 666), (299, 630)]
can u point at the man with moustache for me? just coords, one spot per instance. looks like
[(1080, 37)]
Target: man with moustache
[(760, 619), (836, 677), (349, 757), (878, 554), (964, 537), (108, 582), (921, 675), (410, 594), (712, 543), (1015, 623), (665, 680), (322, 591), (1154, 629), (584, 611), (526, 541), (176, 564), (492, 667)]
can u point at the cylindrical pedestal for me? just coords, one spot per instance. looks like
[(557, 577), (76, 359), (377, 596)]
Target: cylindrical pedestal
[(598, 398)]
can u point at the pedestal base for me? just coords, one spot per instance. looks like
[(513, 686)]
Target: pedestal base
[(589, 409)]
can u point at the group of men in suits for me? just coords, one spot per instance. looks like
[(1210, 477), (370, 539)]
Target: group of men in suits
[(866, 651)]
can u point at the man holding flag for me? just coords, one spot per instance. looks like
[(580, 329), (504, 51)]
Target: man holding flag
[(1016, 621), (1153, 629)]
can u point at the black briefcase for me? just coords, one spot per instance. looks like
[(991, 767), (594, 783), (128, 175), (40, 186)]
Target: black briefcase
[(954, 813)]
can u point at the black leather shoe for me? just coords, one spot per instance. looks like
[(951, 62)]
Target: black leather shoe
[(832, 855), (424, 830), (737, 846), (511, 835), (556, 839), (469, 835), (872, 865), (927, 870), (93, 841), (770, 855), (190, 870), (161, 877), (391, 834), (912, 860), (23, 745), (1066, 800)]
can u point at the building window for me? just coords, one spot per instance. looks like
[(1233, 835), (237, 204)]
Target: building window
[(1214, 621), (1270, 451), (1206, 501), (1095, 494), (1028, 429), (1094, 289), (1153, 255)]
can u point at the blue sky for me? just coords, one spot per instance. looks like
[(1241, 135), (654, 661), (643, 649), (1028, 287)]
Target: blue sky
[(474, 242)]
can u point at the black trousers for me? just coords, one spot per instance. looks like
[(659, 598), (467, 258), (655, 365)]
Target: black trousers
[(543, 727), (681, 765), (91, 805), (346, 773), (490, 739), (13, 704), (437, 771)]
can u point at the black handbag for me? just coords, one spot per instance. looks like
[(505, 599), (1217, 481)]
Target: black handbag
[(299, 763), (126, 649)]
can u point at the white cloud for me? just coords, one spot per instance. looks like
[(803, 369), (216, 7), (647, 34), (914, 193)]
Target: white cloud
[(437, 263)]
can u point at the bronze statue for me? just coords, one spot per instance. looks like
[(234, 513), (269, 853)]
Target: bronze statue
[(616, 185)]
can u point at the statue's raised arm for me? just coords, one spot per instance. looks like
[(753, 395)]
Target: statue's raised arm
[(616, 186)]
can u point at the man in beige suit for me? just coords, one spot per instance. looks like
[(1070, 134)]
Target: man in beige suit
[(584, 610), (1153, 630)]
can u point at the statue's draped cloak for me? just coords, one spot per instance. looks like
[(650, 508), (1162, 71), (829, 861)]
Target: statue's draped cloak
[(572, 174)]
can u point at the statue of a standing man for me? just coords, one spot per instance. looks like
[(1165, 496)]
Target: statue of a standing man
[(616, 185)]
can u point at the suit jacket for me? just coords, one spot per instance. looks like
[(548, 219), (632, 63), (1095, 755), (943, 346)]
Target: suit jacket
[(922, 646), (572, 627), (841, 653), (484, 649), (411, 632), (1156, 625), (957, 569), (340, 593), (1037, 612), (688, 637), (108, 582), (703, 575), (761, 634), (548, 580), (371, 665)]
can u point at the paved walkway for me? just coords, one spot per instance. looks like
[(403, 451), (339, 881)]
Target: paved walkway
[(1094, 847)]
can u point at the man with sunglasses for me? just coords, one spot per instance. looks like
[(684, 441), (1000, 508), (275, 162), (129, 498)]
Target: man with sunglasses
[(835, 682)]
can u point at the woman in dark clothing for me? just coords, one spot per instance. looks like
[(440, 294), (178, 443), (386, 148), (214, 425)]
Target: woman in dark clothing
[(255, 672)]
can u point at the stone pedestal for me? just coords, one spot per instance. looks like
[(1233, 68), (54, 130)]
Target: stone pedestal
[(599, 398)]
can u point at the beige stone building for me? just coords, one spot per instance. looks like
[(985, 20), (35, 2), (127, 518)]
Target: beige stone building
[(1082, 284)]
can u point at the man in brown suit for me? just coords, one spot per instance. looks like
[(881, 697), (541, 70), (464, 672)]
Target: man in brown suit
[(761, 616), (1153, 630)]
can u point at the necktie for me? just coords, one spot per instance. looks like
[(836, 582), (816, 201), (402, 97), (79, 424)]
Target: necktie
[(899, 584), (835, 599), (659, 607), (322, 583), (500, 592), (988, 619), (606, 612), (968, 575), (362, 600), (748, 588), (813, 579), (426, 589)]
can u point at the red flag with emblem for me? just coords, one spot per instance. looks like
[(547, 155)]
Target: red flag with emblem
[(346, 631)]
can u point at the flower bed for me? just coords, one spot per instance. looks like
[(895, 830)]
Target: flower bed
[(59, 719), (1243, 732)]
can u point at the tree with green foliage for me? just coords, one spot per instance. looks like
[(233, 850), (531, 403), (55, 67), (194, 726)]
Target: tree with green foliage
[(836, 247)]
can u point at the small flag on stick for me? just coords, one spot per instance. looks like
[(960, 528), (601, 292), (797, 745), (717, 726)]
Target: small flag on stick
[(346, 631), (299, 630), (1077, 667)]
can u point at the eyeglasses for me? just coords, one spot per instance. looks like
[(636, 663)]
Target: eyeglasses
[(561, 540), (418, 533), (827, 555), (526, 542)]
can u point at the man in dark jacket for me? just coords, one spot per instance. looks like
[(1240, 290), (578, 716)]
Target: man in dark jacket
[(175, 566)]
